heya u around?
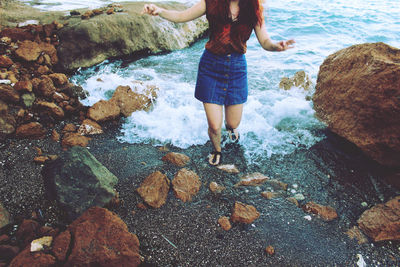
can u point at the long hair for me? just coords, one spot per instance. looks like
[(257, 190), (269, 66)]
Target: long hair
[(250, 12)]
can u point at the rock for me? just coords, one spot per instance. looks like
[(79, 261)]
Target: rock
[(129, 101), (27, 231), (252, 179), (69, 128), (104, 111), (186, 184), (154, 189), (300, 79), (79, 181), (327, 213), (87, 15), (46, 87), (277, 185), (243, 213), (74, 139), (32, 130), (5, 61), (61, 245), (299, 197), (382, 221), (357, 234), (41, 159), (8, 93), (216, 188), (41, 243), (224, 223), (229, 168), (7, 121), (110, 11), (114, 37), (55, 136), (89, 127), (23, 86), (101, 238), (26, 258), (270, 250), (4, 216), (293, 200), (51, 109), (42, 70), (177, 159), (28, 51), (364, 79), (50, 50), (7, 252), (270, 195), (58, 78), (28, 99)]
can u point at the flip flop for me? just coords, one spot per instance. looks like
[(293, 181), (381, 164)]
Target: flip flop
[(232, 135), (213, 160)]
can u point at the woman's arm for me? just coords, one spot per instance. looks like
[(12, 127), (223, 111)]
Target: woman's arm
[(267, 43), (189, 14)]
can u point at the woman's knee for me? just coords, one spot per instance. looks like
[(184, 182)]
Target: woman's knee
[(214, 128)]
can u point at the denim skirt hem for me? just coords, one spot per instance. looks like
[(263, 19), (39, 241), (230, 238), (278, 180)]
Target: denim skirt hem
[(222, 79)]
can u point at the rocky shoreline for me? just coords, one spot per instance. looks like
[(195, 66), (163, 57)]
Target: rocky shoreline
[(302, 209)]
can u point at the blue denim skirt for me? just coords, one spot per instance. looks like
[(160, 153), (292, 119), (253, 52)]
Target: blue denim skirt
[(222, 79)]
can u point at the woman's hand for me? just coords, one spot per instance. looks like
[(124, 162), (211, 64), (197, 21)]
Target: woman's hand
[(284, 45), (151, 9)]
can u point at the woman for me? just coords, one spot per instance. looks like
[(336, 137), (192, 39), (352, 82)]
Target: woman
[(222, 75)]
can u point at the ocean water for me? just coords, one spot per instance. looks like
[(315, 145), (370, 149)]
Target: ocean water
[(275, 121)]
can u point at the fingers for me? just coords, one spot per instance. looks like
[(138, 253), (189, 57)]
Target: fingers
[(284, 45), (150, 9)]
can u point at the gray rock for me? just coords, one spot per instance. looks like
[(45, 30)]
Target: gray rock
[(79, 181), (28, 99), (4, 216), (84, 43)]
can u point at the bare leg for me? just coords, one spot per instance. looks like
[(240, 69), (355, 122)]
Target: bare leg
[(214, 119), (233, 116)]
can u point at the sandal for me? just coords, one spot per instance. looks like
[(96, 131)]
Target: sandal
[(232, 135), (213, 158)]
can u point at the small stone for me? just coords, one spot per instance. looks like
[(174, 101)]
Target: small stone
[(293, 200), (55, 136), (89, 127), (252, 179), (41, 243), (177, 159), (69, 128), (299, 197), (270, 250), (186, 184), (4, 216), (74, 139), (308, 217), (216, 188), (277, 185), (327, 213), (224, 223), (154, 189), (355, 233), (41, 159), (244, 213), (270, 195), (364, 204), (141, 206), (229, 168)]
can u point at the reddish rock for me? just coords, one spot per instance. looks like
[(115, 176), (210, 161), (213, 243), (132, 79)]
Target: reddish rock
[(51, 51), (357, 97), (101, 238), (58, 78), (33, 130), (89, 127), (154, 189), (97, 11), (5, 61), (69, 128), (58, 97), (216, 188), (186, 184), (270, 195), (28, 51), (55, 136), (46, 87), (252, 179), (23, 86), (293, 200), (17, 34), (104, 111), (42, 70), (37, 259), (177, 159), (355, 233), (87, 15), (382, 221), (41, 159), (270, 250), (27, 231), (243, 213), (4, 216), (224, 223), (8, 93), (60, 245), (74, 139), (110, 11), (51, 109), (327, 213), (129, 101)]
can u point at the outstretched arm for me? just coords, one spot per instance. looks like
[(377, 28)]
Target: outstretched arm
[(266, 42), (189, 14)]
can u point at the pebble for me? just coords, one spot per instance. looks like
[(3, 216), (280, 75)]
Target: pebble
[(295, 186), (307, 217), (293, 191), (299, 197), (364, 204)]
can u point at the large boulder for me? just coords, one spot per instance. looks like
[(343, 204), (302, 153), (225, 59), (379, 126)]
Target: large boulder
[(84, 43), (79, 181), (357, 96)]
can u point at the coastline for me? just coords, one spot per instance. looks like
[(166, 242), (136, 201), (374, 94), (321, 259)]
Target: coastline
[(331, 172)]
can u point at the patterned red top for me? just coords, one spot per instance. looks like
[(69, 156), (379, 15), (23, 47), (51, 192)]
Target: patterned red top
[(225, 36)]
